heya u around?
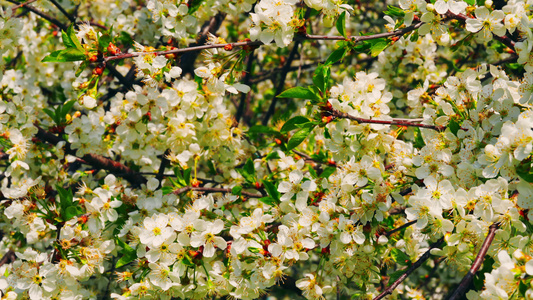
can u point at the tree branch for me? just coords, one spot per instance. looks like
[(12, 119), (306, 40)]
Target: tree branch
[(504, 39), (388, 233), (69, 17), (15, 7), (398, 122), (95, 160), (281, 83), (478, 261), (41, 14), (259, 43), (410, 270), (213, 190)]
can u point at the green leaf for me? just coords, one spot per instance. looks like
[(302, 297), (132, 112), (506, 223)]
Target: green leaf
[(104, 41), (67, 107), (180, 181), (187, 176), (249, 166), (273, 155), (400, 257), (522, 288), (72, 35), (336, 55), (327, 172), (71, 54), (167, 190), (271, 190), (262, 129), (321, 77), (248, 171), (294, 124), (414, 36), (236, 190), (67, 42), (299, 93), (128, 254), (299, 137), (378, 47), (81, 68), (394, 11), (51, 114), (312, 171), (454, 126), (193, 6), (70, 212), (525, 170), (394, 276), (268, 201), (462, 42), (419, 140), (341, 24), (254, 250), (52, 57), (211, 166)]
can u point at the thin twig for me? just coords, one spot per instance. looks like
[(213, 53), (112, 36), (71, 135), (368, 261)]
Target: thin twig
[(246, 80), (164, 164), (69, 17), (463, 286), (410, 270), (8, 257), (15, 7), (398, 122), (213, 190), (94, 160), (259, 43), (388, 233), (504, 39), (41, 14), (281, 83)]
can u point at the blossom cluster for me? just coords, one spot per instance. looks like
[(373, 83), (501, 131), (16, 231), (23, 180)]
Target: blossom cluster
[(275, 160)]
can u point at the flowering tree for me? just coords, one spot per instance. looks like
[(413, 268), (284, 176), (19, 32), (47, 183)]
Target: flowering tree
[(219, 148)]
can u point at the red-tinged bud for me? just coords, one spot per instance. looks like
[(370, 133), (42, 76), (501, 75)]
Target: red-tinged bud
[(228, 47), (195, 182), (264, 252), (55, 33), (302, 29), (171, 55), (248, 48), (93, 58), (328, 106), (194, 254), (326, 119), (98, 71), (278, 141), (331, 162), (416, 18), (112, 49), (149, 116), (258, 185), (394, 39), (325, 250), (266, 243), (83, 219)]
